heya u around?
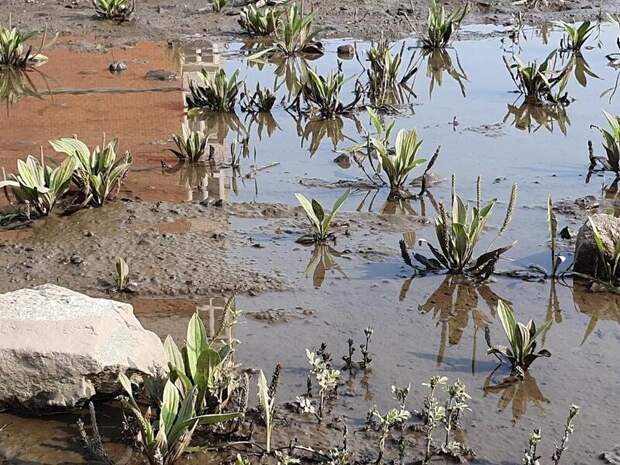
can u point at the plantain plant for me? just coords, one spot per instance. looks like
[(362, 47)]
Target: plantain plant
[(259, 22), (204, 364), (319, 219), (458, 235), (14, 52), (117, 10), (322, 94), (38, 184), (556, 258), (608, 264), (297, 34), (191, 145), (611, 144), (575, 36), (217, 5), (267, 403), (121, 278), (262, 100), (217, 92), (539, 84), (522, 340), (99, 173), (441, 25), (164, 440), (387, 81)]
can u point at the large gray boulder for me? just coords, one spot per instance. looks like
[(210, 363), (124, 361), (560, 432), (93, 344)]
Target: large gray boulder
[(59, 348), (587, 258)]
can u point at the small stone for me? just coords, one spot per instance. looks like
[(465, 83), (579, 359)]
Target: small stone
[(343, 161), (117, 66), (76, 259), (346, 51), (566, 233)]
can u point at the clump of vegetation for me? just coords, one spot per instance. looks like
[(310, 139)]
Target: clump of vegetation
[(164, 441), (607, 265), (539, 84), (259, 22), (204, 365), (530, 455), (262, 100), (575, 37), (217, 5), (322, 94), (319, 219), (399, 162), (191, 145), (385, 86), (447, 415), (38, 184), (217, 92), (98, 174), (325, 375), (522, 340), (117, 10), (297, 34), (392, 419), (458, 235), (611, 144), (364, 349), (13, 51), (441, 26), (121, 277)]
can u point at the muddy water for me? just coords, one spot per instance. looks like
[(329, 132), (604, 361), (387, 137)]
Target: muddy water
[(423, 326)]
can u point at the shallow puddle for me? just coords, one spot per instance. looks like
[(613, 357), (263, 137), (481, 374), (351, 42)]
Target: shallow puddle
[(422, 326)]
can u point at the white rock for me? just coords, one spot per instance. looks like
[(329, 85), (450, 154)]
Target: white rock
[(59, 348)]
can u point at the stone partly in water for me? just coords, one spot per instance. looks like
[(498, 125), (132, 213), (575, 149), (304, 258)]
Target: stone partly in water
[(59, 348), (587, 258)]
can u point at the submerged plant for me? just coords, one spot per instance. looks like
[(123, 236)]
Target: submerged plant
[(204, 364), (575, 37), (190, 144), (259, 22), (117, 10), (262, 100), (611, 144), (13, 51), (539, 84), (99, 173), (441, 26), (321, 221), (121, 278), (164, 441), (386, 83), (38, 184), (459, 233), (323, 94), (522, 340), (217, 92)]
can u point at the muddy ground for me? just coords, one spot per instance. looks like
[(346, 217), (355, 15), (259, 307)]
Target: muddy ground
[(363, 19), (173, 250)]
